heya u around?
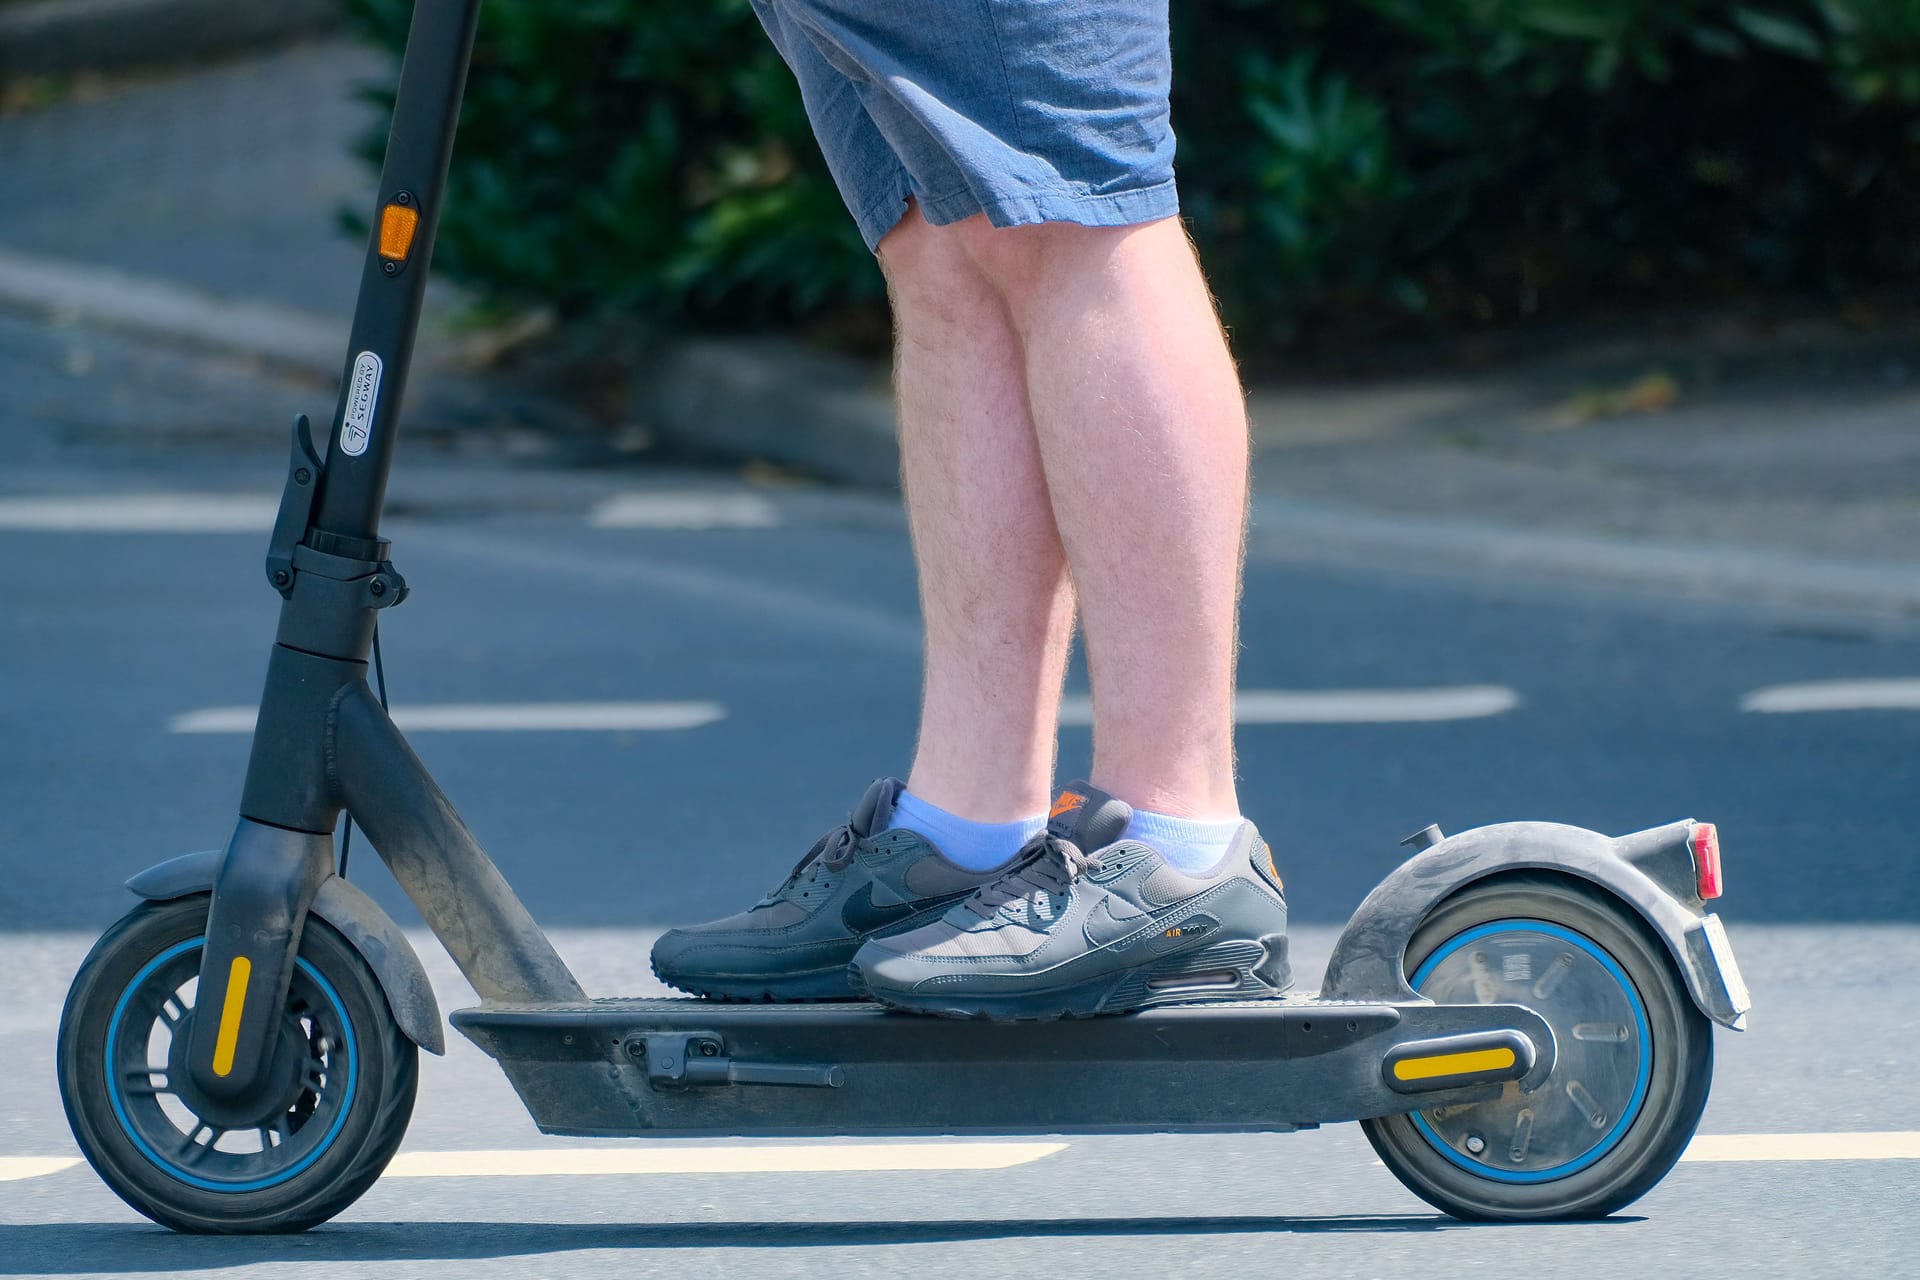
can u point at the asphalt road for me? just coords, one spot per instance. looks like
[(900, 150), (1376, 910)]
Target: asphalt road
[(800, 629)]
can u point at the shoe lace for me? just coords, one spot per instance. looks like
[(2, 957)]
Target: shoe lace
[(1046, 864), (831, 852)]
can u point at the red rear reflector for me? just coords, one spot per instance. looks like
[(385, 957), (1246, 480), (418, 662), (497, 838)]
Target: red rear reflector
[(1706, 859)]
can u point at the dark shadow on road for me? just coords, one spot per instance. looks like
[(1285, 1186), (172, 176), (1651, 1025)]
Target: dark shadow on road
[(60, 1249)]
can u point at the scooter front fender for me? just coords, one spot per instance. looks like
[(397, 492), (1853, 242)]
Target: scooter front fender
[(353, 914), (1369, 960)]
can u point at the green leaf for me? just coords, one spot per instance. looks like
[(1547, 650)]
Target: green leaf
[(1782, 35)]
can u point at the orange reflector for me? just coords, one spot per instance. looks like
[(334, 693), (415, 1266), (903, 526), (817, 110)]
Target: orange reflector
[(398, 222)]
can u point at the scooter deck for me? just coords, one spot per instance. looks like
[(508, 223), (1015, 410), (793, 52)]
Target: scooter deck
[(690, 1067)]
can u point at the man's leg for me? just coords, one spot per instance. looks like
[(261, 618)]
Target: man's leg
[(1138, 414), (998, 617), (1142, 425), (994, 594)]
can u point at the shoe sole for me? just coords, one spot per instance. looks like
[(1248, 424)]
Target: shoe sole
[(815, 986), (1220, 973), (826, 984)]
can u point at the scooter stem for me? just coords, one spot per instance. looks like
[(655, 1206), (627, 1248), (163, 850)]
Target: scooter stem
[(333, 577), (419, 147)]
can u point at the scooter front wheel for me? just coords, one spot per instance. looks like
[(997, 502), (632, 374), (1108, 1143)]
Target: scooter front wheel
[(343, 1080), (1633, 1056)]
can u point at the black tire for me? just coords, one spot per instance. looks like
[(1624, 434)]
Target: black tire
[(350, 1083), (1677, 1068)]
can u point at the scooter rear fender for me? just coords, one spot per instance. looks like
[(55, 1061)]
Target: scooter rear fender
[(1369, 961), (350, 911)]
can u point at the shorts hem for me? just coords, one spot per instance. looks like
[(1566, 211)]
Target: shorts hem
[(1088, 209), (883, 214)]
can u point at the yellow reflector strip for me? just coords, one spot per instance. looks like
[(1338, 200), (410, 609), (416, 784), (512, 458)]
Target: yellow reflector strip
[(230, 1015), (1453, 1064), (398, 222)]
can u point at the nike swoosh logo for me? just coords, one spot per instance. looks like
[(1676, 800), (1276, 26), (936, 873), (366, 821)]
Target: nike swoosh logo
[(1103, 926), (862, 915)]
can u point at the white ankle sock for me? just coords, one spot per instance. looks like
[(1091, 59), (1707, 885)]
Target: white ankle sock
[(1187, 844), (972, 846)]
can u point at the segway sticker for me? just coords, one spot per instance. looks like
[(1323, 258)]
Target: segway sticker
[(357, 427)]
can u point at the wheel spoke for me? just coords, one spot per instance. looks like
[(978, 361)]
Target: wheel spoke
[(171, 1011), (189, 1141), (145, 1082), (194, 1151)]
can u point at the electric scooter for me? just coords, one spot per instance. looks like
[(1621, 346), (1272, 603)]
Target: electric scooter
[(1519, 1016)]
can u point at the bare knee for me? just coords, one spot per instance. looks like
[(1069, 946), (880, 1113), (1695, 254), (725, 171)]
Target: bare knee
[(1026, 263), (929, 272), (907, 243)]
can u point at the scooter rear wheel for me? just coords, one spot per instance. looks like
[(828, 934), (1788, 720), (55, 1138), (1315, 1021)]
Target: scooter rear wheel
[(1632, 1067), (345, 1080)]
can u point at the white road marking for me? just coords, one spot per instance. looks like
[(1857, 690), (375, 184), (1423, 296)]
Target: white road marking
[(553, 1162), (17, 1168), (685, 511), (1836, 695), (1716, 1148), (141, 513), (1346, 706), (495, 717)]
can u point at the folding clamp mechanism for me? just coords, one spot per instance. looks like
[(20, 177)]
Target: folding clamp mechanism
[(381, 586), (296, 507), (682, 1059), (287, 553)]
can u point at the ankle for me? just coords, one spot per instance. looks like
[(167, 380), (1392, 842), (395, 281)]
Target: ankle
[(968, 844), (1195, 796), (1190, 845)]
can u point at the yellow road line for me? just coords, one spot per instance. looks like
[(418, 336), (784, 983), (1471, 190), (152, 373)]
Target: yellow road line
[(1714, 1148), (550, 1162), (16, 1168), (904, 1157)]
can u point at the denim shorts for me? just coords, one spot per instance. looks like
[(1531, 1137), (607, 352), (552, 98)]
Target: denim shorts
[(1025, 110)]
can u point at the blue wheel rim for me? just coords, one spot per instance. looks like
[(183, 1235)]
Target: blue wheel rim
[(1643, 1073), (132, 1131)]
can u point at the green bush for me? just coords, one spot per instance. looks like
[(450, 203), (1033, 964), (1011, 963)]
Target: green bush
[(638, 156), (1348, 165)]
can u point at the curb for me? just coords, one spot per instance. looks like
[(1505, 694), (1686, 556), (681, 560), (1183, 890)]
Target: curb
[(444, 385), (283, 336), (1294, 530), (832, 418), (774, 400), (62, 37)]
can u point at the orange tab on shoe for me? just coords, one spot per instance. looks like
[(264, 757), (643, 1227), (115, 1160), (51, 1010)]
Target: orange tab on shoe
[(1088, 816)]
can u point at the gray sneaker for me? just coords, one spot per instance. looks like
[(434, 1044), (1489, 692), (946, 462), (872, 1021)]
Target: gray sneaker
[(858, 880), (1067, 933)]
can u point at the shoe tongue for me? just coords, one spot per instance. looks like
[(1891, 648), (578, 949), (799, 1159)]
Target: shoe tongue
[(875, 810), (1087, 816)]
